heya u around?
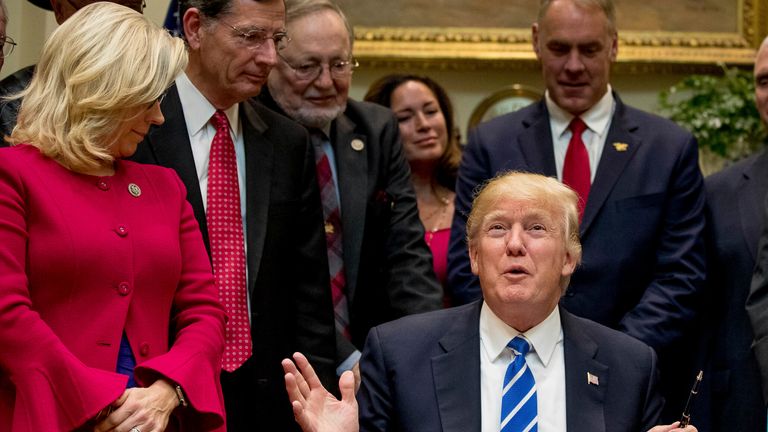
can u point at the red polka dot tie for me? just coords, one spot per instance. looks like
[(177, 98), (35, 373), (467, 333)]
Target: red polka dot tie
[(576, 173), (225, 233)]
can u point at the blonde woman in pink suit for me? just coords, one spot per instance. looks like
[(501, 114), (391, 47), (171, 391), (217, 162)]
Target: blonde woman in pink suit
[(109, 318)]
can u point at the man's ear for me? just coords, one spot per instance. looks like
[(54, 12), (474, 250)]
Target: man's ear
[(473, 260), (192, 27), (535, 39)]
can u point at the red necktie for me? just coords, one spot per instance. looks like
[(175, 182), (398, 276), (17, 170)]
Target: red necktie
[(576, 167), (225, 233), (333, 237)]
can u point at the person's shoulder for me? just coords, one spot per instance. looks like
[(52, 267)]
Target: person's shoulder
[(21, 154), (606, 337), (650, 122), (429, 325), (512, 122), (369, 114), (735, 170), (276, 121), (16, 81)]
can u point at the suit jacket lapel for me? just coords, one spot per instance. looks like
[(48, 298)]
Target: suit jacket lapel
[(171, 148), (352, 170), (612, 162), (259, 153), (584, 400), (457, 374), (753, 183), (536, 142)]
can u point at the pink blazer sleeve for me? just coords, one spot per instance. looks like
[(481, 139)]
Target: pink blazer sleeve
[(194, 359)]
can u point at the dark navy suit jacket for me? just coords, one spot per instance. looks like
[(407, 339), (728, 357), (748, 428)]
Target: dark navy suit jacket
[(642, 231), (422, 373), (734, 222), (286, 255), (388, 265)]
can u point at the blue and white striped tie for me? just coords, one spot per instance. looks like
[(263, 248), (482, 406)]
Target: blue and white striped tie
[(518, 402)]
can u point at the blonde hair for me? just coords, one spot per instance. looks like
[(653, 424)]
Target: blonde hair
[(537, 188), (96, 71)]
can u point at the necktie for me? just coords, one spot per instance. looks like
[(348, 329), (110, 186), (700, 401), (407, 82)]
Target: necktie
[(518, 403), (576, 172), (333, 234), (225, 233)]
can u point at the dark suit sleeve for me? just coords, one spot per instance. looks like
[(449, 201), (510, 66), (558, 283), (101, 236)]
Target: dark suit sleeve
[(412, 286), (654, 402), (757, 305), (374, 397), (668, 304), (472, 173)]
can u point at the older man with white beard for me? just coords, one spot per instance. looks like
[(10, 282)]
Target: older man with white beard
[(380, 266)]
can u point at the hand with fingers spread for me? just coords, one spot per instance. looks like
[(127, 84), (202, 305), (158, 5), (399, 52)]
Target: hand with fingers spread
[(141, 409), (673, 428), (316, 409)]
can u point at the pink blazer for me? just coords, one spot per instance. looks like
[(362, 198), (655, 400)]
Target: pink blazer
[(84, 258)]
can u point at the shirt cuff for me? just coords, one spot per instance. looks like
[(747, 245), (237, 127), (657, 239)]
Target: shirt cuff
[(348, 363)]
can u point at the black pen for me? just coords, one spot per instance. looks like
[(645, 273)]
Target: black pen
[(686, 418)]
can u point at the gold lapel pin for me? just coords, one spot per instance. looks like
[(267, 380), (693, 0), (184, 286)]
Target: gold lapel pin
[(620, 147), (134, 189), (357, 144), (593, 379)]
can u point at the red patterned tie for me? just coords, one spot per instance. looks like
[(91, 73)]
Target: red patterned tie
[(576, 167), (332, 234), (225, 232)]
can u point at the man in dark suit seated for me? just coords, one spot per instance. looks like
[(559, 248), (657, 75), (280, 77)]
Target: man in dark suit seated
[(641, 191), (380, 266), (514, 361), (734, 222), (249, 174)]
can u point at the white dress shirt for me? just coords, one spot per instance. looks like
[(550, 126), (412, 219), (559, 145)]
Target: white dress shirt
[(197, 115), (545, 359), (598, 121)]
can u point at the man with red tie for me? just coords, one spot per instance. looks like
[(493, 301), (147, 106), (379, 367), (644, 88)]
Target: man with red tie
[(640, 188), (249, 174)]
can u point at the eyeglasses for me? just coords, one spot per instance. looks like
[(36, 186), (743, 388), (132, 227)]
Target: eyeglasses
[(8, 45), (159, 99), (255, 38), (310, 71)]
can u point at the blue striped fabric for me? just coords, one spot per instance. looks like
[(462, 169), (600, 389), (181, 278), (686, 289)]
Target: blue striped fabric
[(518, 403)]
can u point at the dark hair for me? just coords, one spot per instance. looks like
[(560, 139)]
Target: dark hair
[(380, 92)]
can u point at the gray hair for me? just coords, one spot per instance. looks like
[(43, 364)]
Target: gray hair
[(295, 9)]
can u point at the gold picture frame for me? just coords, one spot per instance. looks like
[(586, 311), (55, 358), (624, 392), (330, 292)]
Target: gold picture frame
[(730, 32), (507, 99)]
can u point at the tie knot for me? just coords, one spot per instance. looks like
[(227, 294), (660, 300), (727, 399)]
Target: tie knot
[(220, 121), (577, 126), (520, 344)]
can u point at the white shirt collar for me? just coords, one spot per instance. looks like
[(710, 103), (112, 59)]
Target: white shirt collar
[(543, 337), (198, 111), (596, 118)]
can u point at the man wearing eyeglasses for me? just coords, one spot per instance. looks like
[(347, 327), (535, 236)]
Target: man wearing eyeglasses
[(380, 267), (6, 43), (249, 174), (18, 81)]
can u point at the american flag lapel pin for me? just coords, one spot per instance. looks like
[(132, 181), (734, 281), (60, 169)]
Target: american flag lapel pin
[(620, 146), (593, 379)]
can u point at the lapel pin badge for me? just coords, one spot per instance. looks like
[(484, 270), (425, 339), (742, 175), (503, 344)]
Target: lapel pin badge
[(134, 190), (620, 146), (357, 144), (593, 379)]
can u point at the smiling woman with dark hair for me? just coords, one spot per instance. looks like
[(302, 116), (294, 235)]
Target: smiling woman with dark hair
[(109, 317)]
